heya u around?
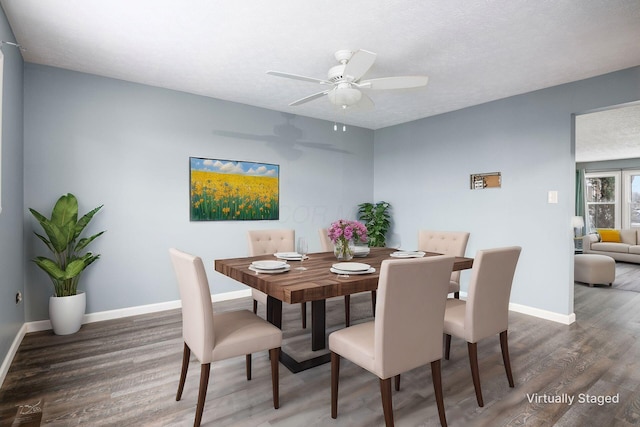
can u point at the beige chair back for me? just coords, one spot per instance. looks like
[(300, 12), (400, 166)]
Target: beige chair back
[(325, 241), (409, 318), (444, 242), (262, 242), (487, 308), (197, 310)]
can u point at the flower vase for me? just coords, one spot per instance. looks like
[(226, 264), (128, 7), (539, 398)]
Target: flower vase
[(343, 250)]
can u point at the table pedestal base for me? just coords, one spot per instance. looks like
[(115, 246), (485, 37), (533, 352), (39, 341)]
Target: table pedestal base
[(294, 366), (318, 336)]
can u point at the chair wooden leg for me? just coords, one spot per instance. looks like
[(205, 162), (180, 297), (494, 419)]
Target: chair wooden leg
[(335, 376), (437, 388), (248, 366), (447, 346), (505, 357), (202, 393), (373, 303), (456, 295), (475, 373), (275, 375), (397, 382), (255, 307), (387, 404), (347, 310), (186, 353), (303, 314)]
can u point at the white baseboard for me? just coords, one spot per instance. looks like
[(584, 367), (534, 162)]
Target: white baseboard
[(6, 363), (565, 319), (43, 325)]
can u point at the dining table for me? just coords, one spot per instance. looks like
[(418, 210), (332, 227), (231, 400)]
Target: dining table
[(315, 284)]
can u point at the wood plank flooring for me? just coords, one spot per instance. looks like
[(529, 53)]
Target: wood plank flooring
[(627, 276), (125, 372)]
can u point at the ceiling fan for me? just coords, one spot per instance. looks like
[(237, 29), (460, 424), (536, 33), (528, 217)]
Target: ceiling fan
[(344, 80)]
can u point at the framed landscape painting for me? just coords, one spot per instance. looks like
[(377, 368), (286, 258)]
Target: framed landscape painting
[(226, 190)]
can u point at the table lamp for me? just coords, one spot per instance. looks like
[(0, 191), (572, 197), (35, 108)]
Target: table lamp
[(577, 222)]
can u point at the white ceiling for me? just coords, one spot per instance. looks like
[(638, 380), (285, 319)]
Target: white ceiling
[(472, 51), (608, 135)]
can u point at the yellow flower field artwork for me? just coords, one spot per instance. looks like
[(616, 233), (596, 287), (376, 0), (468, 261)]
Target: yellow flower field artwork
[(224, 190)]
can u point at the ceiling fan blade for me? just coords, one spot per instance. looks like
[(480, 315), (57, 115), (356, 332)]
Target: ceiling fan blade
[(297, 77), (309, 98), (401, 82), (360, 62)]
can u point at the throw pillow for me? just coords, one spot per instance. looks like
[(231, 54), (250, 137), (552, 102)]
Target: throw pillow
[(609, 235)]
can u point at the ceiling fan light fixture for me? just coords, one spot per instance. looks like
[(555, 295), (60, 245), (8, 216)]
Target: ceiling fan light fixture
[(345, 80), (345, 96)]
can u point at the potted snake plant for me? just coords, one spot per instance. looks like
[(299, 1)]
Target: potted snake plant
[(62, 238)]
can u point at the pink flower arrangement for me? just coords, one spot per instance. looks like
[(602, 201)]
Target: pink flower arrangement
[(345, 230)]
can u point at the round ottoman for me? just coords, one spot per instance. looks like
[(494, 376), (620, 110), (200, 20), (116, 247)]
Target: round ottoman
[(592, 269)]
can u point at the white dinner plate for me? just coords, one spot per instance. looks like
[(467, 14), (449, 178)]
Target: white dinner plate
[(408, 254), (279, 270), (338, 271), (351, 266), (289, 256), (269, 265)]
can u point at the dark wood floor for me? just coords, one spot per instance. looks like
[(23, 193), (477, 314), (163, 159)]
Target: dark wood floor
[(125, 372)]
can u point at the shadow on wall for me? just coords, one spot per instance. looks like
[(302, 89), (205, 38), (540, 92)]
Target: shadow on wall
[(287, 140)]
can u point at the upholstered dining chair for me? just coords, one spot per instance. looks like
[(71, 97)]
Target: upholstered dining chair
[(448, 243), (218, 336), (325, 242), (263, 242), (486, 310), (327, 246), (406, 332)]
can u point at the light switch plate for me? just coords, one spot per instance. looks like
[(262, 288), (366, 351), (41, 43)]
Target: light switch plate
[(553, 196)]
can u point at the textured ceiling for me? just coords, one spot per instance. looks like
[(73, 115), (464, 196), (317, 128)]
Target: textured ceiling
[(472, 51), (608, 135)]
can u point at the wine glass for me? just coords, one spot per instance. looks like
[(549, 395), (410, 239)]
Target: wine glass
[(302, 249)]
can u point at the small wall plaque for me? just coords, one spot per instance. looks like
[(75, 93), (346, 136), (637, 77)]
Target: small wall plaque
[(480, 181)]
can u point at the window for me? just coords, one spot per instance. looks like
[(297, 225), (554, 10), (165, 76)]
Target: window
[(631, 199), (612, 199), (602, 195)]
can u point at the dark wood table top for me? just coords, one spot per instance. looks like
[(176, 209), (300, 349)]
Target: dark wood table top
[(317, 282)]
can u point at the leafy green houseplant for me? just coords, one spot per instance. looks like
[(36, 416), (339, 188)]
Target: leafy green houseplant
[(376, 218), (63, 232)]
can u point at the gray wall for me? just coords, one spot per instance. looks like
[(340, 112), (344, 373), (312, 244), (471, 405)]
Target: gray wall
[(11, 220), (127, 146), (422, 168)]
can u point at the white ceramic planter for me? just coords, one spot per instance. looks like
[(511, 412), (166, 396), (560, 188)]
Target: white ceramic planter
[(66, 313)]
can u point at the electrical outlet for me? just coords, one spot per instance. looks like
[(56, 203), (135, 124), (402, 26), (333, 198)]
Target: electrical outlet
[(18, 297)]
